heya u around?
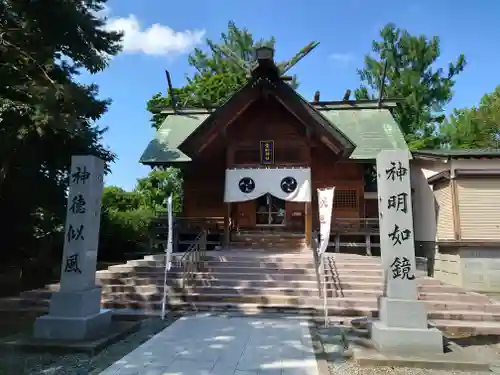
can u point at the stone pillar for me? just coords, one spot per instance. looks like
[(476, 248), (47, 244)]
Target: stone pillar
[(402, 327), (75, 310)]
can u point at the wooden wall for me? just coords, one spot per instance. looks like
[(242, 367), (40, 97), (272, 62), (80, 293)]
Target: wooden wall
[(204, 185), (269, 120), (266, 120), (348, 179)]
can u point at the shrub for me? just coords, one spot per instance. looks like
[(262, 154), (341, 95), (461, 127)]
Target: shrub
[(124, 232)]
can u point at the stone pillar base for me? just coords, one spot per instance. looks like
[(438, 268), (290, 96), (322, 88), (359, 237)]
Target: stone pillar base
[(74, 316), (59, 328), (403, 328), (410, 341)]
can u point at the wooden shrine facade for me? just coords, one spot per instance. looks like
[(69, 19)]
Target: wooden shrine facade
[(270, 133)]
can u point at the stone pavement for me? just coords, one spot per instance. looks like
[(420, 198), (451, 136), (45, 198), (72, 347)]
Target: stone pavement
[(202, 344)]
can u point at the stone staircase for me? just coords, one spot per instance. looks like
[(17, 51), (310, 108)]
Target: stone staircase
[(251, 281), (267, 239)]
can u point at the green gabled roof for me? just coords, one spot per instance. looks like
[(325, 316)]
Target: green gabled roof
[(174, 130), (370, 129)]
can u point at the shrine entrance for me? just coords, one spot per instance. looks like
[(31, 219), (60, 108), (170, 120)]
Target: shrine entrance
[(270, 211)]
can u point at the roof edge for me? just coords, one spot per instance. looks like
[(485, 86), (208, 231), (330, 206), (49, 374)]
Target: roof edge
[(456, 154), (320, 106)]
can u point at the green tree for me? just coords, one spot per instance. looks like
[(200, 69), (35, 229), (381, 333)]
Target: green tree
[(412, 75), (116, 198), (47, 116), (476, 127), (158, 186), (216, 76)]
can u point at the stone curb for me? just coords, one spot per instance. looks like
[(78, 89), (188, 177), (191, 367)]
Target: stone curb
[(422, 363)]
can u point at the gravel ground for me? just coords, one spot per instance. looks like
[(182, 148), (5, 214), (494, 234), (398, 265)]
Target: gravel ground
[(351, 368), (15, 362), (340, 365)]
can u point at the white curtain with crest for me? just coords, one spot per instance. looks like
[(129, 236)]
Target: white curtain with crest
[(289, 184)]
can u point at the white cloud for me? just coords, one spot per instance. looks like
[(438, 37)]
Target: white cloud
[(157, 39), (342, 58)]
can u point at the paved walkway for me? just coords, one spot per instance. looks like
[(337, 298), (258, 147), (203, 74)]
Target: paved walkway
[(217, 345)]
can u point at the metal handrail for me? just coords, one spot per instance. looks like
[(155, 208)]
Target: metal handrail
[(190, 260), (320, 266)]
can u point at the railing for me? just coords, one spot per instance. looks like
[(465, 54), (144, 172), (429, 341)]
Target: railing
[(354, 225), (216, 224), (158, 233), (321, 274), (191, 260), (196, 224)]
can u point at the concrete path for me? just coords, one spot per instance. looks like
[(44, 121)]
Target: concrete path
[(217, 345)]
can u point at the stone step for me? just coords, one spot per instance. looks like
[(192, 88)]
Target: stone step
[(292, 242), (259, 275), (213, 275), (341, 302), (459, 297), (241, 264), (250, 246), (440, 301), (464, 327), (237, 290), (458, 322), (295, 256), (145, 285), (266, 256), (476, 319), (353, 283), (291, 290), (477, 316)]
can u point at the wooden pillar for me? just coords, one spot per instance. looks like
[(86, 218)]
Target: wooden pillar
[(227, 222), (308, 223), (455, 209)]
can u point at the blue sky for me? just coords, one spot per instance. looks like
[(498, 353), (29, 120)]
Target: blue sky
[(160, 34)]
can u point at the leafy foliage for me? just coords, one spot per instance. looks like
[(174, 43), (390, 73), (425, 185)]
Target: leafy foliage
[(46, 115), (118, 199), (158, 186), (476, 127), (126, 215), (124, 231), (412, 76), (217, 77)]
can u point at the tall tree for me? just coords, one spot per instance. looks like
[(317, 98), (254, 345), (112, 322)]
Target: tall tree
[(46, 115), (476, 127), (412, 75), (219, 72), (159, 184)]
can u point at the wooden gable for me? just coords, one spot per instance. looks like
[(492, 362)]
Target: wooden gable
[(265, 86)]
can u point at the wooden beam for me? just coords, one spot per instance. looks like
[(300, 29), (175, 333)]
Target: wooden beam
[(308, 224), (455, 209), (225, 121), (227, 222)]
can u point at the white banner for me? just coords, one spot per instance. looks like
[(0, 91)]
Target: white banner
[(170, 230), (168, 255), (325, 205)]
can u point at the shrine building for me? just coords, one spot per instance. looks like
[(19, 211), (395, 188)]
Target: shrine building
[(255, 162)]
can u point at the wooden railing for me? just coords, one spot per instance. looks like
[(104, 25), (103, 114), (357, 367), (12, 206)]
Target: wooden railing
[(216, 225), (196, 224), (354, 225)]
